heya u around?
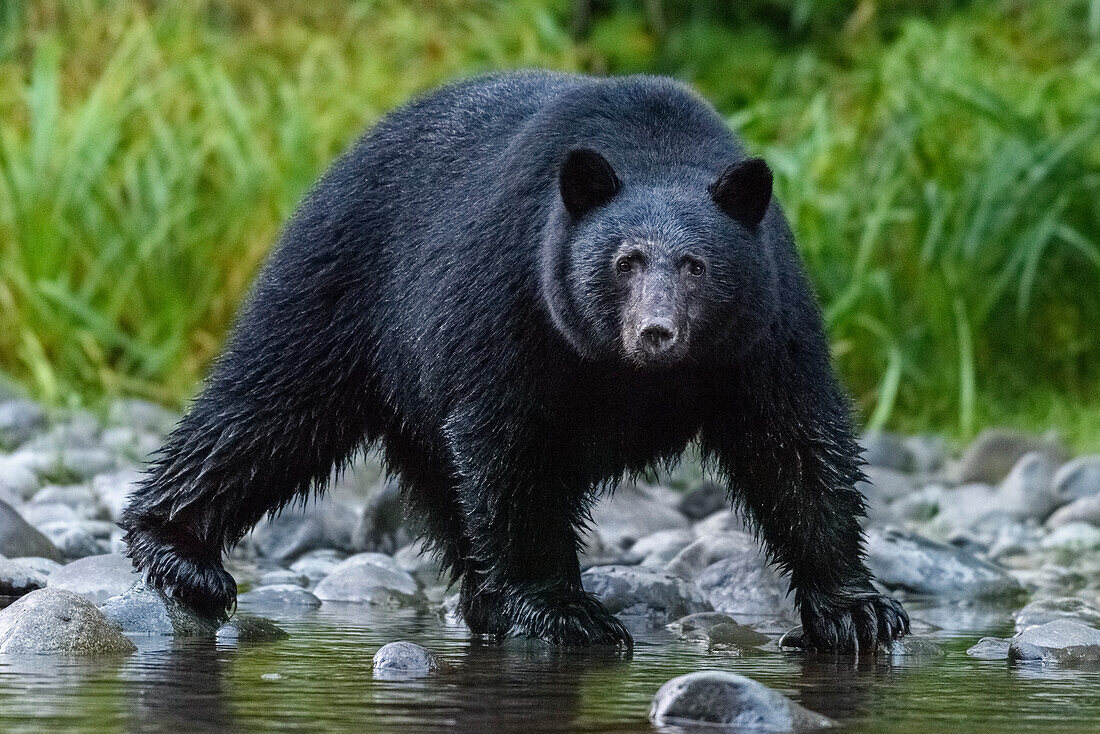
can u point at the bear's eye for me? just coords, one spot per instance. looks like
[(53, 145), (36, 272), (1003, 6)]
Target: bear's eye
[(624, 264), (695, 267)]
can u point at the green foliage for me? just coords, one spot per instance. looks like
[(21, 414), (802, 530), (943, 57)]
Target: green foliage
[(939, 160)]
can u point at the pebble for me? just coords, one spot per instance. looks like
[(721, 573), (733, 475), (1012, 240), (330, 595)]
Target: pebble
[(637, 591), (886, 450), (404, 661), (989, 648), (719, 631), (283, 576), (58, 621), (732, 701), (317, 564), (1061, 642)]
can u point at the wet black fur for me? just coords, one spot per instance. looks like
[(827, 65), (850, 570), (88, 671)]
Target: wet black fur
[(434, 296)]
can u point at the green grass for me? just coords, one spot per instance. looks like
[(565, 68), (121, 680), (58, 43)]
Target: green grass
[(940, 162)]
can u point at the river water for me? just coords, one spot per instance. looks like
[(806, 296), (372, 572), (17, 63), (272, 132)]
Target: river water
[(320, 680)]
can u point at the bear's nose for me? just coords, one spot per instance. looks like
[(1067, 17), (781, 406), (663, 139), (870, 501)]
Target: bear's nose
[(657, 335)]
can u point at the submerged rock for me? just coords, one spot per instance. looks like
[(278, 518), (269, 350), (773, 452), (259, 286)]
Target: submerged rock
[(989, 648), (1048, 610), (657, 595), (718, 630), (142, 610), (96, 578), (403, 661), (902, 560), (286, 595), (1061, 642), (59, 621), (18, 538), (729, 700), (250, 628), (368, 583)]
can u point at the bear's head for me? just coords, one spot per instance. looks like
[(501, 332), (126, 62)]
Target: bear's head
[(668, 268)]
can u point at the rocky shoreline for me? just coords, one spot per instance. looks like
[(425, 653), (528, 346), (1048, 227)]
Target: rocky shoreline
[(1013, 520)]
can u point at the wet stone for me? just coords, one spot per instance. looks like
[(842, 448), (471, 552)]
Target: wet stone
[(637, 591), (19, 538), (661, 547), (323, 524), (282, 576), (1074, 536), (58, 621), (1047, 610), (404, 661), (703, 500), (96, 578), (367, 583), (730, 700), (250, 628), (989, 648), (141, 415), (17, 577), (142, 610), (718, 631), (283, 595), (317, 564), (887, 450), (633, 512), (80, 538), (901, 560), (1061, 642)]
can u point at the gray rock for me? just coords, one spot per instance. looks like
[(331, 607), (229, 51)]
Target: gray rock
[(42, 513), (141, 415), (97, 578), (1078, 479), (384, 527), (708, 549), (367, 583), (138, 446), (1026, 491), (250, 628), (420, 563), (317, 564), (992, 455), (322, 524), (283, 595), (746, 585), (82, 499), (58, 621), (657, 595), (661, 547), (17, 577), (703, 500), (1062, 642), (927, 453), (887, 483), (81, 538), (886, 450), (1047, 610), (18, 538), (721, 522), (19, 421), (718, 630), (1084, 509), (902, 560), (403, 661), (989, 648), (373, 559), (924, 503), (1074, 536), (632, 512), (143, 610), (17, 480), (729, 700), (114, 490), (283, 576)]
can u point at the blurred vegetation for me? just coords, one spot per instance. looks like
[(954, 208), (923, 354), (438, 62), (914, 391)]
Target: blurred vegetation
[(939, 160)]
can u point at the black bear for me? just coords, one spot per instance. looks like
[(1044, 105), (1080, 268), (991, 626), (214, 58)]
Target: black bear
[(524, 287)]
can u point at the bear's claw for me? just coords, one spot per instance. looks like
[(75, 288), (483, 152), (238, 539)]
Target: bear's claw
[(852, 623)]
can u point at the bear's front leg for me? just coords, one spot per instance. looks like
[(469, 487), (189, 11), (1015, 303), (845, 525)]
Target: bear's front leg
[(781, 434), (522, 578)]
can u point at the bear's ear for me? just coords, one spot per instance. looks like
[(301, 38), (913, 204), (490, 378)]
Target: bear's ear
[(586, 181), (744, 190)]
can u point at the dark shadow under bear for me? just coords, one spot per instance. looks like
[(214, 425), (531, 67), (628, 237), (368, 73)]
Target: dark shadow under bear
[(523, 287)]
